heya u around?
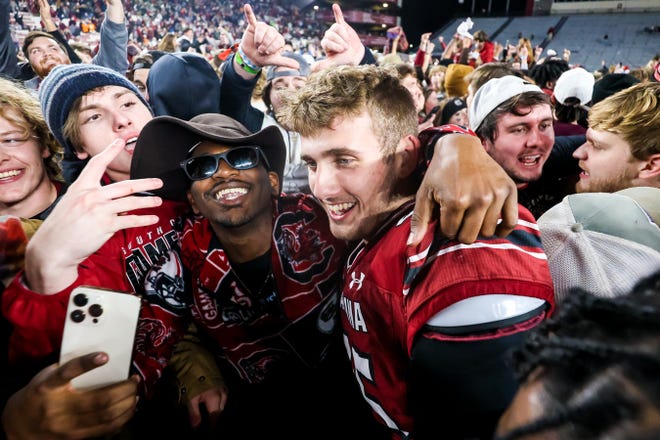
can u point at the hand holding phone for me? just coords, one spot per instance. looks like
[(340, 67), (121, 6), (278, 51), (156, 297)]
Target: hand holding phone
[(47, 407), (100, 320)]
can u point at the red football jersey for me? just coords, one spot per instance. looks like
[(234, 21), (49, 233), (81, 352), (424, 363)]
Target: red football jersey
[(141, 261), (288, 322), (389, 293)]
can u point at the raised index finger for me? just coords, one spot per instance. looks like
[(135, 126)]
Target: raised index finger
[(249, 15), (339, 16), (93, 171)]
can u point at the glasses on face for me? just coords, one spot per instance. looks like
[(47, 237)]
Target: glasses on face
[(239, 158)]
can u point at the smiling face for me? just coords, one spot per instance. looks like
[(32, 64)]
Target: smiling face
[(44, 54), (351, 178), (107, 114), (233, 198), (25, 189), (522, 144), (606, 162)]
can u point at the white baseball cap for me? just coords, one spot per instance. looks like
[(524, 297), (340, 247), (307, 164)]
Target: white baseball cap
[(574, 83), (602, 242), (494, 93)]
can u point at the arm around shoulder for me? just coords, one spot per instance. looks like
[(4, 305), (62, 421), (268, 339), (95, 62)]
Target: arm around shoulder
[(474, 193)]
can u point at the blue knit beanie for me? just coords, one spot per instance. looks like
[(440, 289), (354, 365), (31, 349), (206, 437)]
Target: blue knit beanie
[(68, 82)]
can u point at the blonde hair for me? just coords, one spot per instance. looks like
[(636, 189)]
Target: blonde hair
[(642, 73), (530, 49), (168, 43), (347, 91), (436, 69), (633, 114), (390, 58), (20, 108)]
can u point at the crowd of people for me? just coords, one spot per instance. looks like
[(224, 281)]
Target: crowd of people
[(327, 242), (207, 27)]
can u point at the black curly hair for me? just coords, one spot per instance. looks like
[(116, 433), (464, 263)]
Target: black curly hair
[(547, 73), (598, 360)]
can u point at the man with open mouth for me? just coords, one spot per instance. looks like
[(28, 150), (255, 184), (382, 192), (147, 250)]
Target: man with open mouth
[(513, 119)]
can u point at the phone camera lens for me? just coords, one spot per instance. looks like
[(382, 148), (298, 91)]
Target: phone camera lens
[(95, 310), (80, 299), (77, 316)]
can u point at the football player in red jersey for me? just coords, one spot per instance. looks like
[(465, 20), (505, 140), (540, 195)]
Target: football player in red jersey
[(251, 251), (123, 260), (428, 328)]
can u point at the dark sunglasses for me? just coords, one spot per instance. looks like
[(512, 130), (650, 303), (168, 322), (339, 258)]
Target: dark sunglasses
[(239, 158)]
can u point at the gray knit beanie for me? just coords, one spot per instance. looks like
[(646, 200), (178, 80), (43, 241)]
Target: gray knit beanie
[(66, 83), (303, 70)]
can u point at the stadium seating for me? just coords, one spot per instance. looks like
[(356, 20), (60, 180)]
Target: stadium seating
[(591, 38)]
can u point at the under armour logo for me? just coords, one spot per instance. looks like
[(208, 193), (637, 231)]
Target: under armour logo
[(355, 280)]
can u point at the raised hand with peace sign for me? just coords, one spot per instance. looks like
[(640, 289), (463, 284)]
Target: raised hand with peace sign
[(83, 220)]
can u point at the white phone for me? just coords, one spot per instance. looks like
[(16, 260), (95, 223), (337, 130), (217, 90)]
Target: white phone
[(100, 320)]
